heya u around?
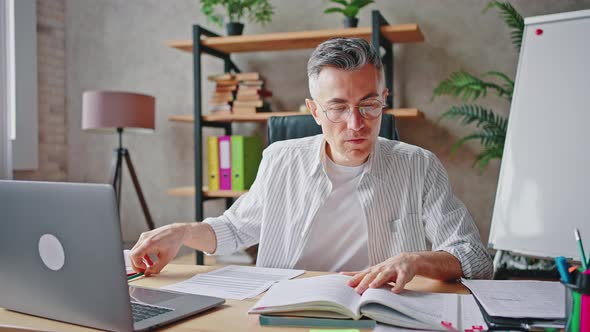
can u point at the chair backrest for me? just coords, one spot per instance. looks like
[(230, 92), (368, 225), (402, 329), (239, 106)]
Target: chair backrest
[(296, 126)]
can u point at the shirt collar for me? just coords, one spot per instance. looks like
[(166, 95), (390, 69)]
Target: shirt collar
[(374, 167)]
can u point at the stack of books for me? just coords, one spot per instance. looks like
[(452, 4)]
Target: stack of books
[(250, 94), (223, 96), (232, 161)]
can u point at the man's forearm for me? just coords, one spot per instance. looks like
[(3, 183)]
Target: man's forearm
[(200, 236), (437, 265)]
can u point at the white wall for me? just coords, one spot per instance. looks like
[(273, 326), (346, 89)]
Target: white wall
[(113, 44)]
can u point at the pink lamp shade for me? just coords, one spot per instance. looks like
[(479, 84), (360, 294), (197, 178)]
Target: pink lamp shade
[(109, 110)]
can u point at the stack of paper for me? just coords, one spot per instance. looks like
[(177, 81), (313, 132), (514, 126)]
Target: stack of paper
[(520, 304), (519, 298), (234, 282)]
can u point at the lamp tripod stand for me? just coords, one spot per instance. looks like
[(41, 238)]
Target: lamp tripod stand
[(116, 177)]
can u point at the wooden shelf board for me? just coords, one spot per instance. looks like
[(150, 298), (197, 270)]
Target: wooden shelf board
[(402, 33), (405, 113), (190, 192), (401, 113)]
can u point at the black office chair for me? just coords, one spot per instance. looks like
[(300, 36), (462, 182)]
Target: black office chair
[(296, 126)]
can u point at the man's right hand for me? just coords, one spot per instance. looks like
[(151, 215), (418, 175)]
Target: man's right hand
[(163, 242)]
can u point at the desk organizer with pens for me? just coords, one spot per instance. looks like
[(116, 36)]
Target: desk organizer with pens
[(577, 304)]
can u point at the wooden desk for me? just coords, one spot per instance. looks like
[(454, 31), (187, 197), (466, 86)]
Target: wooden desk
[(232, 316)]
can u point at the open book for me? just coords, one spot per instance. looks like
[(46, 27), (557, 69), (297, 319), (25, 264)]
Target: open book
[(329, 296)]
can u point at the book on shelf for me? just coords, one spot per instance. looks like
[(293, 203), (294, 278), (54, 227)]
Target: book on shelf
[(213, 162), (248, 110), (246, 154), (248, 103), (248, 98), (221, 77), (329, 296), (261, 93), (227, 113), (217, 100), (221, 108), (254, 83), (222, 94), (226, 83), (226, 88), (244, 110), (251, 76)]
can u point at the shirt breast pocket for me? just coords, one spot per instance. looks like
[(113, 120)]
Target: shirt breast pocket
[(408, 232), (395, 225)]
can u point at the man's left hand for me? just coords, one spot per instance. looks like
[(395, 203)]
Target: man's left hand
[(400, 269)]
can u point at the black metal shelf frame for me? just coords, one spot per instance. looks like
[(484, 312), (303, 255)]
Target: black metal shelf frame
[(198, 31)]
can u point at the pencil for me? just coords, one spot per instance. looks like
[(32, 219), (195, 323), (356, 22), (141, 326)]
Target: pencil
[(581, 249), (135, 276)]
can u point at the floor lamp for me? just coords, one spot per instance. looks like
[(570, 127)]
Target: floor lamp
[(111, 111)]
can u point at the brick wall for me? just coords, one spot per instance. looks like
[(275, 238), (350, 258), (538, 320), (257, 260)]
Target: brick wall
[(53, 156)]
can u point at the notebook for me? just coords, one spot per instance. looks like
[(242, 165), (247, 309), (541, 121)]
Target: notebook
[(330, 297)]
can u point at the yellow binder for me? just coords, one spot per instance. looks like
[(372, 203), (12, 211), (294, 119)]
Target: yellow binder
[(213, 162)]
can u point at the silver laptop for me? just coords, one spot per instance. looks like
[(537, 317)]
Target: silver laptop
[(61, 257)]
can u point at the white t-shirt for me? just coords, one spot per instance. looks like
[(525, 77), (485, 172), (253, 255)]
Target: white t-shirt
[(338, 236)]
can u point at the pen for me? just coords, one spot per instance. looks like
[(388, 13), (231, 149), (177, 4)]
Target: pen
[(581, 249), (562, 268), (135, 276)]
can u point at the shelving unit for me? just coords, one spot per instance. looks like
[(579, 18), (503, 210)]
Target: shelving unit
[(206, 42)]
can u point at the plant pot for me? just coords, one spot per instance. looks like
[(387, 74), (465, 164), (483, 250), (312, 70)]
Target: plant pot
[(351, 22), (234, 28)]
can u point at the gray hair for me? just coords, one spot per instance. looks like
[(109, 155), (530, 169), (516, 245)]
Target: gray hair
[(341, 53)]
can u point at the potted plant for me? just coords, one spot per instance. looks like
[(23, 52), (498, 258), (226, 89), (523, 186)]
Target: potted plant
[(259, 11), (491, 127), (349, 9)]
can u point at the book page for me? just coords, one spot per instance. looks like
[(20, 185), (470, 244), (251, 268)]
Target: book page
[(383, 314), (471, 317), (434, 309), (323, 293)]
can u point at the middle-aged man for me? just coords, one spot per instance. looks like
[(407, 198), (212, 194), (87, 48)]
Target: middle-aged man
[(344, 200)]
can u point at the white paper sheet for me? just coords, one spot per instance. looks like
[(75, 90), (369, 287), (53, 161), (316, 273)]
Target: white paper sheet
[(519, 298), (234, 282), (128, 268)]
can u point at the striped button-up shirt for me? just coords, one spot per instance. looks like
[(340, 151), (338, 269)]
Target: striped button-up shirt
[(404, 192)]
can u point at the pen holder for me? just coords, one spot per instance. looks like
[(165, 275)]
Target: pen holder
[(577, 302)]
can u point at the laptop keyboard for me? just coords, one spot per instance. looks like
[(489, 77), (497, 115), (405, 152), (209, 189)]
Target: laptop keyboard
[(142, 311)]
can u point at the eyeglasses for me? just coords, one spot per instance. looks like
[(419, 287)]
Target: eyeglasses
[(369, 109)]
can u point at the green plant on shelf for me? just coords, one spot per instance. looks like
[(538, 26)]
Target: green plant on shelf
[(491, 127), (349, 8), (259, 11)]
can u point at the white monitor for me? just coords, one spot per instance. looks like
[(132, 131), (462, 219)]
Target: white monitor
[(544, 185)]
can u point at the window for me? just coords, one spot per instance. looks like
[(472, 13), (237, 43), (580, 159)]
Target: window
[(6, 112), (20, 53)]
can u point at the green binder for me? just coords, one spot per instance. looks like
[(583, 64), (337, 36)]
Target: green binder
[(246, 153)]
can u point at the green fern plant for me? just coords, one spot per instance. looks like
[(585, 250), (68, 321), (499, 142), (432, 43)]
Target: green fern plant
[(491, 128)]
